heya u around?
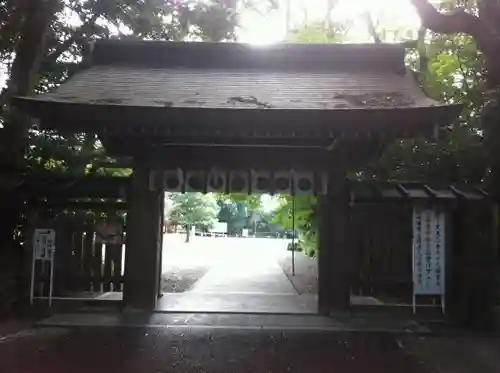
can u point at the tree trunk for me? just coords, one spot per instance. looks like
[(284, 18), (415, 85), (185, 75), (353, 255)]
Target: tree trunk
[(330, 5), (484, 30), (38, 17), (188, 233), (288, 16)]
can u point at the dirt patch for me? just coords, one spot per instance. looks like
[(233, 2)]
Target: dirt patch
[(305, 280), (179, 280)]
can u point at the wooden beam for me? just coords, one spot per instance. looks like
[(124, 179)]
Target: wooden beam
[(83, 205), (161, 122), (194, 157), (69, 186)]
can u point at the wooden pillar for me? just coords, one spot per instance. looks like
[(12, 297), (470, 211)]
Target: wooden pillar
[(161, 222), (140, 291), (334, 255), (32, 219)]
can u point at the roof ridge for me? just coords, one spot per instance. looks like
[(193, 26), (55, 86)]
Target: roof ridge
[(281, 56)]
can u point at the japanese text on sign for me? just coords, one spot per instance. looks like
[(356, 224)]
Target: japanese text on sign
[(44, 242), (428, 251)]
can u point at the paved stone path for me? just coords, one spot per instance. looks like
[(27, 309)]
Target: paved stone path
[(249, 267), (243, 275)]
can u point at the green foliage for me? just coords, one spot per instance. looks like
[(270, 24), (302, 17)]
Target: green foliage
[(251, 201), (194, 209), (242, 211), (77, 22), (457, 158), (316, 33), (453, 73), (283, 214), (41, 44), (305, 219), (235, 214)]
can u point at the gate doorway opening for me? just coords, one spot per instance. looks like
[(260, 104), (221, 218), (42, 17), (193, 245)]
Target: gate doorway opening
[(224, 253)]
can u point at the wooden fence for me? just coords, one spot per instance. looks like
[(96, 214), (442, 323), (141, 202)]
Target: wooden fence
[(82, 266), (381, 239)]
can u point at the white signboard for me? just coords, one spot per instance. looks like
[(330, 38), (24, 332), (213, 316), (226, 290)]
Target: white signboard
[(219, 228), (428, 251), (44, 244)]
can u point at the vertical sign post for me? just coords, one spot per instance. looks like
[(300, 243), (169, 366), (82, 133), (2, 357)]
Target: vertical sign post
[(428, 253), (43, 251)]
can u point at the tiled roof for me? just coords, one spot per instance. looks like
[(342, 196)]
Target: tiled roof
[(235, 76), (252, 89), (377, 191)]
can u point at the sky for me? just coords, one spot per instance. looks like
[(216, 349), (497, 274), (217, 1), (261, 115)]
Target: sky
[(266, 27), (270, 28)]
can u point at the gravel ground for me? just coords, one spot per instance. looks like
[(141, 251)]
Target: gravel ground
[(305, 280), (179, 280), (125, 350)]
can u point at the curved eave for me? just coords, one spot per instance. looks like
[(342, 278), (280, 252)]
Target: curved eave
[(249, 122)]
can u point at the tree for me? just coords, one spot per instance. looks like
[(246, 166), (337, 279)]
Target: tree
[(251, 201), (41, 44), (450, 70), (305, 219), (315, 33), (479, 20), (233, 212), (194, 209)]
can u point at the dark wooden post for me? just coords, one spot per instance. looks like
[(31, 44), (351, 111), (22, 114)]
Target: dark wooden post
[(334, 254), (161, 223), (32, 220), (140, 291)]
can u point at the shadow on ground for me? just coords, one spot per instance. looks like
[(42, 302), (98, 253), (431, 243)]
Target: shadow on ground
[(127, 350)]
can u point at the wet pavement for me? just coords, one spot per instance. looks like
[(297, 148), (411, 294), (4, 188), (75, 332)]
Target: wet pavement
[(340, 322), (155, 350)]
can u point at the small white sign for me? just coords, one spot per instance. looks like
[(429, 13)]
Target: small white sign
[(428, 251), (44, 243)]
